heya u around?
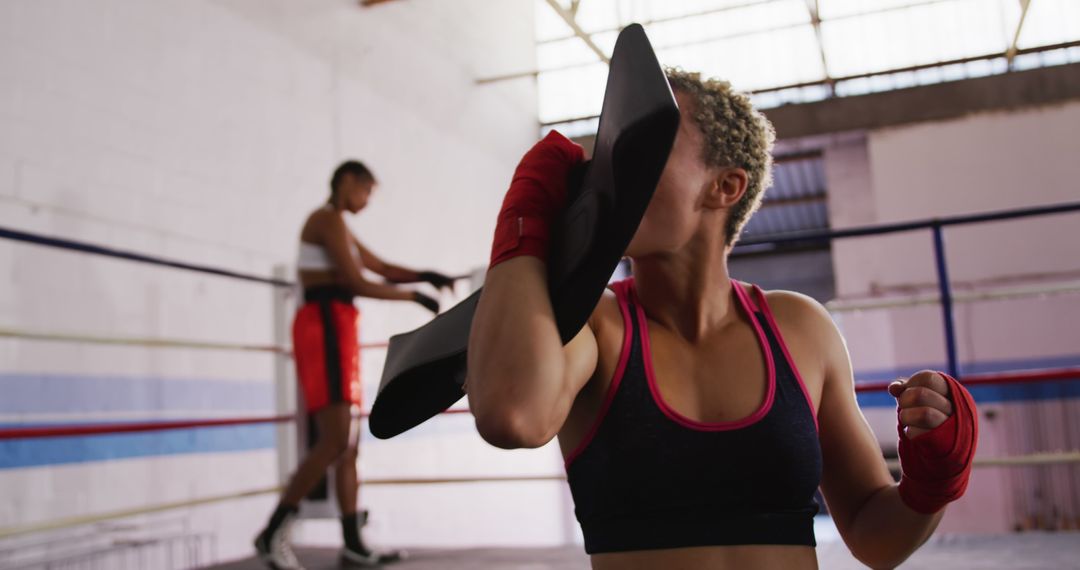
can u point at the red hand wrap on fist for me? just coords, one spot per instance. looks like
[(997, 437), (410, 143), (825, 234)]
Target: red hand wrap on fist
[(536, 195), (936, 465)]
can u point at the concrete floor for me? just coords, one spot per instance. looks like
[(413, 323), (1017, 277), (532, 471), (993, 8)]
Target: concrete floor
[(572, 558), (1028, 551)]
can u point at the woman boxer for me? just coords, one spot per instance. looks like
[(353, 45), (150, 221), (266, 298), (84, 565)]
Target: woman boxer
[(326, 350), (697, 414)]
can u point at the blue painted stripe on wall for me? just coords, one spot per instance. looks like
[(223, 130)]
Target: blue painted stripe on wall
[(1034, 391), (68, 393), (68, 450), (78, 394), (75, 394)]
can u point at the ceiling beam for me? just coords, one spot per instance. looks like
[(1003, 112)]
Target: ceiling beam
[(507, 77), (730, 7), (886, 72), (656, 48), (1010, 54), (685, 16), (568, 17), (720, 37), (815, 21)]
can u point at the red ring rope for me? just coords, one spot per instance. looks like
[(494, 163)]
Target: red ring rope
[(991, 379), (1057, 374), (112, 428)]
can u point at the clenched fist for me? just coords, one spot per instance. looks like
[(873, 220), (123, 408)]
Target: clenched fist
[(923, 400)]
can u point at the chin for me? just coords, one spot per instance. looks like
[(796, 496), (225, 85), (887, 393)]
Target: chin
[(641, 249), (638, 248)]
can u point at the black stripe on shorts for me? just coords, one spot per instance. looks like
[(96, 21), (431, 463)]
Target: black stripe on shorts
[(331, 351)]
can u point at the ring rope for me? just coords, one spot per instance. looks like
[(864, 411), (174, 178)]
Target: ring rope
[(156, 342), (90, 519), (140, 341), (134, 427), (1052, 375), (998, 294), (82, 430), (84, 247), (1032, 459), (1062, 374)]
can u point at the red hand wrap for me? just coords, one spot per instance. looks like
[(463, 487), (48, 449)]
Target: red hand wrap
[(937, 464), (537, 193)]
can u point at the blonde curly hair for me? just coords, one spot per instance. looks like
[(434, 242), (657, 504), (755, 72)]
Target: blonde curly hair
[(736, 135)]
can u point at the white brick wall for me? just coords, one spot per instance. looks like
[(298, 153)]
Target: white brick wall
[(206, 130)]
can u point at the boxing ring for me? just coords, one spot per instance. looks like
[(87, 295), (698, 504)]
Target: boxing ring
[(15, 539)]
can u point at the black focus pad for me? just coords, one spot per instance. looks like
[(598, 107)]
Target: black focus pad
[(637, 128), (424, 371), (425, 368)]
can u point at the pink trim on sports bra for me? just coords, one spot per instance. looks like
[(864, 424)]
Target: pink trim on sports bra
[(620, 369), (787, 354)]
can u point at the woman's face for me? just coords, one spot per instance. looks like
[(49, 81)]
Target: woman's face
[(355, 192), (674, 213)]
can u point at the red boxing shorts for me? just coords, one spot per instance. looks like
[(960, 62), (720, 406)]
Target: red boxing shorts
[(326, 348)]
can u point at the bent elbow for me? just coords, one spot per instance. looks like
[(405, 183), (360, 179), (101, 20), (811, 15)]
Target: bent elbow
[(879, 560), (512, 429)]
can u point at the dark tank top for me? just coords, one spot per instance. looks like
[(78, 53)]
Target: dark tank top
[(645, 477)]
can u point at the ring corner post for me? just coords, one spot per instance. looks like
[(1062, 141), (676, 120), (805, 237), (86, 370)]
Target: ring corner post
[(945, 288), (285, 391)]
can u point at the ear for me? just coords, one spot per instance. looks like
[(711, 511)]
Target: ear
[(726, 188)]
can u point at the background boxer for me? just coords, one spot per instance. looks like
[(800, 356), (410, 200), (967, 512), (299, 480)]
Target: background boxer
[(326, 350)]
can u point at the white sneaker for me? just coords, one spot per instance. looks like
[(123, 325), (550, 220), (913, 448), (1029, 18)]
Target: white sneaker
[(359, 558), (372, 558), (275, 550)]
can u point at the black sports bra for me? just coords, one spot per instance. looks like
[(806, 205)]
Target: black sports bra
[(647, 478)]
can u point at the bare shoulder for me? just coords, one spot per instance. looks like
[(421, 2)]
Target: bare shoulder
[(799, 313), (812, 326), (324, 216), (794, 304), (322, 222), (812, 337)]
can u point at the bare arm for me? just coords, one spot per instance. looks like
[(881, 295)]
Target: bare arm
[(337, 241), (879, 529), (391, 272), (522, 380)]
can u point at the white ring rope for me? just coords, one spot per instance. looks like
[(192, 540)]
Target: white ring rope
[(138, 341), (997, 294), (152, 342), (1033, 459)]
